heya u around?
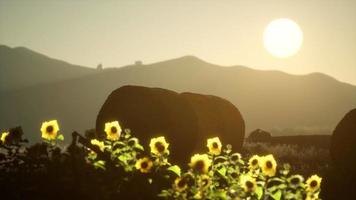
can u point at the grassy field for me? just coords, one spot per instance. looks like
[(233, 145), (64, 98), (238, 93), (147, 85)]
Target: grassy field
[(305, 160)]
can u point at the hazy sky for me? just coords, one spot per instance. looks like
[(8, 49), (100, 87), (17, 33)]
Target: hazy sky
[(117, 33)]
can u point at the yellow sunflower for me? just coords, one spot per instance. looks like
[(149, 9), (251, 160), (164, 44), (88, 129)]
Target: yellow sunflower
[(248, 183), (200, 163), (159, 146), (254, 162), (268, 165), (49, 130), (112, 130), (205, 181), (312, 196), (313, 183), (235, 157), (132, 142), (98, 143), (4, 136), (180, 184), (144, 165), (214, 146), (295, 180)]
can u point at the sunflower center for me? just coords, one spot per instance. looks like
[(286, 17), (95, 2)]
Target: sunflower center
[(159, 146), (49, 129), (199, 165), (269, 164), (113, 129), (144, 165), (313, 184), (249, 184), (234, 175), (215, 145), (295, 181), (254, 162), (181, 183)]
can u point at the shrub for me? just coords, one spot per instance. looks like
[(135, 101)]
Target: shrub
[(119, 166)]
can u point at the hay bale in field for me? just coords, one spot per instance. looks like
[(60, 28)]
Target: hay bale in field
[(216, 117), (152, 112), (341, 178), (343, 143), (186, 120), (259, 135)]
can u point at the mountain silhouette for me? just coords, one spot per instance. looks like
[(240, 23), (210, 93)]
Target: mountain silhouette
[(272, 100), (21, 67)]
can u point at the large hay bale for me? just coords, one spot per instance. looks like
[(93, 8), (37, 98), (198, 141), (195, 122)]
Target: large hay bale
[(217, 117), (152, 112), (186, 120), (259, 135), (343, 143), (340, 179)]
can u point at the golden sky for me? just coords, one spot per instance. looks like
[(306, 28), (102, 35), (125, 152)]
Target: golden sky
[(224, 32)]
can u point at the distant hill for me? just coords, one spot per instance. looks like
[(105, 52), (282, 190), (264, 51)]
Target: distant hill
[(281, 103), (21, 67)]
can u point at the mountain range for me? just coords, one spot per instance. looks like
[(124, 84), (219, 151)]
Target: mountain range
[(35, 88)]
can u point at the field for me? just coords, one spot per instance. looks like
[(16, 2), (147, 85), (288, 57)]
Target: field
[(120, 167), (305, 160)]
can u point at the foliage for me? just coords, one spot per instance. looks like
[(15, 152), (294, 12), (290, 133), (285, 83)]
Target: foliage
[(120, 167)]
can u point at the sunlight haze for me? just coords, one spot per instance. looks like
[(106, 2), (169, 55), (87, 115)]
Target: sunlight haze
[(117, 33)]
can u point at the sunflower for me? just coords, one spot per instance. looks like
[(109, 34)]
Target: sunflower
[(200, 163), (295, 180), (98, 144), (189, 179), (132, 142), (49, 130), (248, 183), (180, 184), (159, 146), (235, 157), (4, 136), (312, 196), (313, 183), (214, 146), (144, 165), (254, 161), (205, 181), (234, 174), (113, 130), (268, 165)]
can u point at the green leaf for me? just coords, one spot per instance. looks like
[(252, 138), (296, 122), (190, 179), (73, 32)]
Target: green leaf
[(60, 137), (175, 169), (222, 171), (276, 179), (259, 192), (119, 144), (140, 147), (282, 186), (272, 189), (100, 164), (123, 158), (277, 195), (220, 157)]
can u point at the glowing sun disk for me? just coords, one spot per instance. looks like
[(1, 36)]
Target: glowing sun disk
[(283, 38)]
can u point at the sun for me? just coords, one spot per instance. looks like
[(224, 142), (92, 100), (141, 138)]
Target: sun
[(283, 38)]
